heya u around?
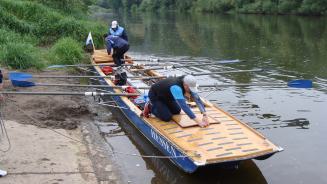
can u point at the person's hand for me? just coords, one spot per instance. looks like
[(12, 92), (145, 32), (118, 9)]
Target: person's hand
[(200, 122), (197, 120), (205, 120)]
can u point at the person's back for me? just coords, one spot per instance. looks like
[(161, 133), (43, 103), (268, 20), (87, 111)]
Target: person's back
[(117, 30), (115, 42), (162, 88)]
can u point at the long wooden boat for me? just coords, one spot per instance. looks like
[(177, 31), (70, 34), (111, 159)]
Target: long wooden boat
[(227, 141)]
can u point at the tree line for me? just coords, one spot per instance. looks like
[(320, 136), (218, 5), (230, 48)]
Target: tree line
[(302, 7)]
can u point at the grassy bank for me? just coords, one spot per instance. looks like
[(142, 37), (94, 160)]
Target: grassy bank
[(57, 27)]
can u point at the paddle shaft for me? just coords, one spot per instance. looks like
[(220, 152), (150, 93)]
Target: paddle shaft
[(148, 87), (90, 76), (172, 67), (186, 60), (68, 93), (112, 65), (148, 64), (226, 72), (91, 86), (143, 78)]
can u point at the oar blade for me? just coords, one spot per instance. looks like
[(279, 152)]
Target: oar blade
[(22, 83), (56, 66), (229, 61), (19, 79), (19, 76), (300, 83)]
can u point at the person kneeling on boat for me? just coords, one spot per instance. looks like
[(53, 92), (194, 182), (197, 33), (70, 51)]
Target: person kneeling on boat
[(119, 46), (167, 99)]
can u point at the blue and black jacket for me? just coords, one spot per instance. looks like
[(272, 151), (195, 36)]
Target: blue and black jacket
[(171, 89), (119, 31), (115, 42)]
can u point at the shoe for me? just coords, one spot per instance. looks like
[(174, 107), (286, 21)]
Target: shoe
[(146, 111), (3, 173)]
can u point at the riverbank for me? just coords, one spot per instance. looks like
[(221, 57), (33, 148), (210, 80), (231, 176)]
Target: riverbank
[(55, 139)]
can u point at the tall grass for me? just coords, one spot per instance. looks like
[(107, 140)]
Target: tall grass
[(20, 56), (66, 51), (42, 23), (9, 36)]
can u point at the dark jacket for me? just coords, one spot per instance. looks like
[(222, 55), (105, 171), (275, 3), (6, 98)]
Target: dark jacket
[(115, 42), (161, 89)]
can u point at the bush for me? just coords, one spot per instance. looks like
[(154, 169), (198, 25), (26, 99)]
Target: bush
[(66, 51), (20, 56)]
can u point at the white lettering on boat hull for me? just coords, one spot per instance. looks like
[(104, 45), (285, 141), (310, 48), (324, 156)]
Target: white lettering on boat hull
[(169, 148)]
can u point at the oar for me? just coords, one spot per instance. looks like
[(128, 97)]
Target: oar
[(68, 93), (30, 84), (147, 64), (172, 67), (300, 83), (112, 65), (18, 76), (226, 72), (292, 83), (187, 60)]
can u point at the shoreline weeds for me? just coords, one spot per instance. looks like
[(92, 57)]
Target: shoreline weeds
[(55, 140)]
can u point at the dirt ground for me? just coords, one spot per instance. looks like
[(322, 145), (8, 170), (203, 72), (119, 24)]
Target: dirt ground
[(65, 112), (71, 116)]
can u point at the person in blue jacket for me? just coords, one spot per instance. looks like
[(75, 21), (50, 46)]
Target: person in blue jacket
[(119, 46), (167, 99), (117, 30)]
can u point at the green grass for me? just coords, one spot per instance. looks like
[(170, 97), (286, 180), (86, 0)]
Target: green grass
[(20, 56), (40, 24), (66, 51)]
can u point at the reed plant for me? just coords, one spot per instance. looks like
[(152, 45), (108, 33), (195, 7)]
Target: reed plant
[(66, 51), (20, 56)]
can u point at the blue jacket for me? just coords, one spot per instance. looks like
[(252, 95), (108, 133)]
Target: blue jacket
[(120, 31), (115, 42)]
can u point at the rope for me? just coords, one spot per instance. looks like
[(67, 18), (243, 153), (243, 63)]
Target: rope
[(3, 127), (112, 152)]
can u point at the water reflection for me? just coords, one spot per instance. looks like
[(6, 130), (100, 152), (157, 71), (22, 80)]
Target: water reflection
[(294, 45), (301, 123), (166, 172), (288, 47)]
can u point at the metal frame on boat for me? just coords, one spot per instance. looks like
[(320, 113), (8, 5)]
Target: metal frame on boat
[(226, 142)]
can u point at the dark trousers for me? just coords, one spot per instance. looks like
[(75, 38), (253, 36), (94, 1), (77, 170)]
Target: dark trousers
[(162, 109), (118, 55)]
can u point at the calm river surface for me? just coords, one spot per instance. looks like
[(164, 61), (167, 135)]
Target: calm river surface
[(288, 47)]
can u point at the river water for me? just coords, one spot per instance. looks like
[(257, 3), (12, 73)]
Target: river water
[(287, 47)]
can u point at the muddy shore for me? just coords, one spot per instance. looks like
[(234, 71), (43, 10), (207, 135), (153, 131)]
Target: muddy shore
[(66, 121)]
